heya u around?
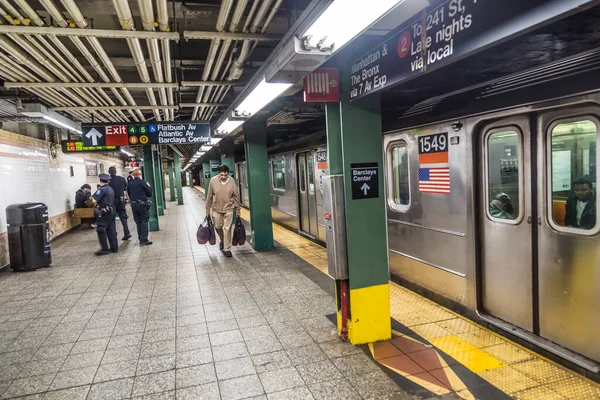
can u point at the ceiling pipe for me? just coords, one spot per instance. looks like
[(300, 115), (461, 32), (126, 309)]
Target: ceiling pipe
[(238, 65), (147, 16), (126, 20), (78, 19), (162, 14), (69, 62)]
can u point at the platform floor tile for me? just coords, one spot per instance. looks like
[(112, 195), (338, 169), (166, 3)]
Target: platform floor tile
[(509, 369)]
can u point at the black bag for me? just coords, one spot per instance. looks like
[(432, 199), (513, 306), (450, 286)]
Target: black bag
[(205, 231), (239, 233)]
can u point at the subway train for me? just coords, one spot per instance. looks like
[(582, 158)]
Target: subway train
[(480, 190)]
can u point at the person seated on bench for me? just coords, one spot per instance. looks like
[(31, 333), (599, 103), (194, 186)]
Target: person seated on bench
[(580, 209), (82, 196)]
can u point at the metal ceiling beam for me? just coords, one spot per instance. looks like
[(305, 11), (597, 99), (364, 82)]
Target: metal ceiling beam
[(114, 108), (203, 104), (125, 34), (260, 37), (101, 85), (207, 83), (99, 33)]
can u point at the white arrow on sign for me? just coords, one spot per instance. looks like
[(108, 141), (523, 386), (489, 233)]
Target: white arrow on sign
[(94, 135), (365, 188)]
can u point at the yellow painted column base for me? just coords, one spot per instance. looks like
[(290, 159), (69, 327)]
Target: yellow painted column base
[(370, 312)]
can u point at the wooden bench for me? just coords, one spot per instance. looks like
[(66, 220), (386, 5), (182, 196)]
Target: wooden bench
[(86, 215), (559, 211)]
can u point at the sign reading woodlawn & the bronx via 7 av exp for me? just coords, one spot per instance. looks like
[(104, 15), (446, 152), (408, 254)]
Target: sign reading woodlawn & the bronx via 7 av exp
[(115, 134), (446, 31)]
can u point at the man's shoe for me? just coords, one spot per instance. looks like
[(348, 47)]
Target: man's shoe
[(102, 252), (126, 237), (146, 243), (221, 246), (114, 251), (228, 254)]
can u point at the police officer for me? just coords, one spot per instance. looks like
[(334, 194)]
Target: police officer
[(104, 200), (139, 192), (119, 185)]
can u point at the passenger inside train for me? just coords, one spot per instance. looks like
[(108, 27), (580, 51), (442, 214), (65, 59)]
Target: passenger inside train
[(501, 207), (581, 207)]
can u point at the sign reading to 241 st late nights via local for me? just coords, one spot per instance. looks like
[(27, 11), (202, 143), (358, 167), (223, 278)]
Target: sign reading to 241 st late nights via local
[(141, 134), (447, 31), (75, 146), (365, 180)]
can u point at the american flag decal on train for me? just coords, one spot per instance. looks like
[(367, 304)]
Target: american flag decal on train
[(434, 180)]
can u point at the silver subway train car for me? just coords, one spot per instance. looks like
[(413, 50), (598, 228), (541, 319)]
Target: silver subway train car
[(491, 209)]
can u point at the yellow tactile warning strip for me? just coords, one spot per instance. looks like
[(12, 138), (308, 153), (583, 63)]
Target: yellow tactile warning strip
[(508, 366)]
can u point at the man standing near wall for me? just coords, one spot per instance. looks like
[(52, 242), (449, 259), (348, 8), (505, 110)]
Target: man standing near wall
[(119, 185), (224, 197)]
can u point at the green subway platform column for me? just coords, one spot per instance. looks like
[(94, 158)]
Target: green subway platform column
[(171, 180), (162, 180), (157, 183), (149, 177), (226, 149), (257, 164), (178, 183), (206, 176), (361, 143), (213, 167)]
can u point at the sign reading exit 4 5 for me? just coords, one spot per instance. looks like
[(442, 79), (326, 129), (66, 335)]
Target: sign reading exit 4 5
[(140, 134)]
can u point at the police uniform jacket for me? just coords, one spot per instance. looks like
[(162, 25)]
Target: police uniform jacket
[(105, 197), (119, 185), (139, 190)]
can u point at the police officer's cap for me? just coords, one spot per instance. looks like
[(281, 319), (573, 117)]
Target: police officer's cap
[(104, 177)]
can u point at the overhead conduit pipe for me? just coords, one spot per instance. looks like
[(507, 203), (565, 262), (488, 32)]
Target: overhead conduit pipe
[(78, 19), (126, 20), (222, 18), (162, 14), (147, 16), (70, 62)]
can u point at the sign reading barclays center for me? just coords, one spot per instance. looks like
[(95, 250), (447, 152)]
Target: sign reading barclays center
[(444, 32), (115, 134)]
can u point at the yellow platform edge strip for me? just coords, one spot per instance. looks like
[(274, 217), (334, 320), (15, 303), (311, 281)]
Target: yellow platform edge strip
[(316, 255)]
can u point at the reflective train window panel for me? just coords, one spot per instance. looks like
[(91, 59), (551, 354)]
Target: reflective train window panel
[(504, 175), (573, 173), (278, 171), (401, 176)]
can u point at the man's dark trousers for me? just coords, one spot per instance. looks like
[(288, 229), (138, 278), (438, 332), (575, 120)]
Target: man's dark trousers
[(141, 216)]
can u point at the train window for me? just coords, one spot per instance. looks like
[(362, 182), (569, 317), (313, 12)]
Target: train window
[(401, 175), (573, 173), (311, 174), (278, 171), (302, 173), (504, 174)]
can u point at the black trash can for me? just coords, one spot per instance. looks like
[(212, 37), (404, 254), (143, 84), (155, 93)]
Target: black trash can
[(28, 236)]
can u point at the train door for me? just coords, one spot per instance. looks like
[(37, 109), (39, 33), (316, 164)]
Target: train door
[(540, 253), (506, 254), (306, 194), (569, 240)]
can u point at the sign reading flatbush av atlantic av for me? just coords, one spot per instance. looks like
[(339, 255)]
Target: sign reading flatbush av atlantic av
[(445, 32), (175, 132)]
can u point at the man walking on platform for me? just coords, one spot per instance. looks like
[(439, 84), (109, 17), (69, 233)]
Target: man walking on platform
[(119, 185), (139, 192), (104, 200), (224, 198)]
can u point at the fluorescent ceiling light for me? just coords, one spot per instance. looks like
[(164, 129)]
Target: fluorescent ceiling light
[(62, 124), (228, 126), (345, 19), (215, 140), (261, 95), (206, 147), (128, 153)]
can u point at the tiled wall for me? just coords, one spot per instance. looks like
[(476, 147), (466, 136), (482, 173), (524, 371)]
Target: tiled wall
[(28, 173)]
